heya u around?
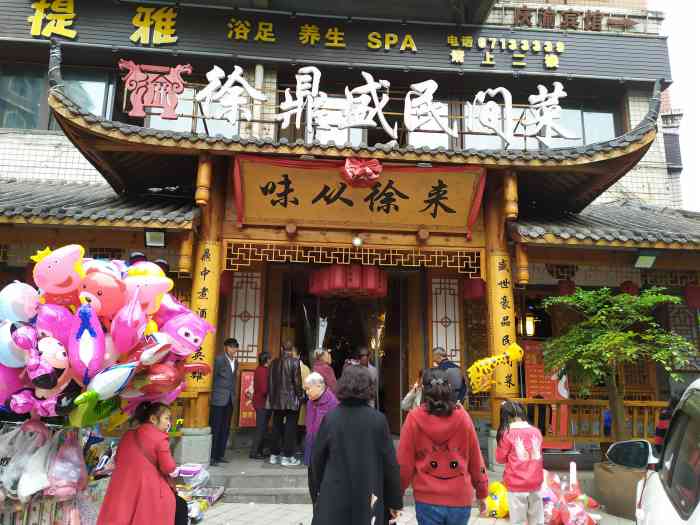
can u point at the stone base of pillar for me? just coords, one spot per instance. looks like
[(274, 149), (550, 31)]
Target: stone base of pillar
[(493, 466), (194, 446)]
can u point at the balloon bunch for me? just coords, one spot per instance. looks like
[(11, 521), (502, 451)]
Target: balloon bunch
[(94, 332)]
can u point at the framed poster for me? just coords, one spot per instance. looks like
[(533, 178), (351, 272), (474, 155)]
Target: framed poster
[(246, 411)]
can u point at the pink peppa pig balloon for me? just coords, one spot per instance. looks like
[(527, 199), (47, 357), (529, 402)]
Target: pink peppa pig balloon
[(58, 273), (86, 347), (10, 382), (54, 321), (128, 326), (18, 302)]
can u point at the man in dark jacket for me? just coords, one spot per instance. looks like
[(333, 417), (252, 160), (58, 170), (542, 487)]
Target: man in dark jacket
[(454, 374), (285, 393), (223, 398)]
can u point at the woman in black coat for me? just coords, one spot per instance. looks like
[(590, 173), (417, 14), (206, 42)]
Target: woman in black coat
[(354, 475)]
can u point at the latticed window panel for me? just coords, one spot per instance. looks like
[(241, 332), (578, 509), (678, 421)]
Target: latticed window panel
[(105, 253), (476, 345), (446, 317), (246, 314), (684, 321), (241, 255), (669, 279)]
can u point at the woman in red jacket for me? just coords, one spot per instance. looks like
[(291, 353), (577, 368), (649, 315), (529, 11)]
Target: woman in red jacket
[(262, 413), (439, 455), (139, 492)]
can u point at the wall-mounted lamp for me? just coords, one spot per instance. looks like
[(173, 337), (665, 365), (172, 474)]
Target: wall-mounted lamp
[(530, 325), (646, 259), (154, 239), (357, 241)]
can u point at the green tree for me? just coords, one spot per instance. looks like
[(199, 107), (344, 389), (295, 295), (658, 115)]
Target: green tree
[(613, 329)]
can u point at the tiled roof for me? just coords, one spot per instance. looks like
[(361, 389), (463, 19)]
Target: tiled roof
[(62, 202), (610, 224)]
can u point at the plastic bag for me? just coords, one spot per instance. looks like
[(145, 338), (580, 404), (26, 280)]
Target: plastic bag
[(67, 473), (7, 447), (198, 480), (28, 444), (35, 477)]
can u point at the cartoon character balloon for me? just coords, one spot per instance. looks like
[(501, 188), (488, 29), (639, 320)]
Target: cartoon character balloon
[(497, 500), (11, 355), (10, 382), (128, 326), (52, 320), (186, 333), (86, 347), (148, 282), (105, 292), (18, 302), (58, 273)]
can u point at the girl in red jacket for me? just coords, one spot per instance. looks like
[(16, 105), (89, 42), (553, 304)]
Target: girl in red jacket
[(520, 449), (439, 455)]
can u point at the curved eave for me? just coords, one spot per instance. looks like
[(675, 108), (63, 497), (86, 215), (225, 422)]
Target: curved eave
[(555, 241), (99, 224)]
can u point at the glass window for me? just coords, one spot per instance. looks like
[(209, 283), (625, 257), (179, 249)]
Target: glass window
[(428, 138), (599, 127), (570, 125), (22, 97), (329, 131), (185, 108), (680, 468), (477, 136), (88, 89)]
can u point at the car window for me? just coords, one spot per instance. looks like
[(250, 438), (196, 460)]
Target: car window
[(680, 469)]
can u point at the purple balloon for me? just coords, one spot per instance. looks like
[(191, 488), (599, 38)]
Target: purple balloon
[(24, 336), (54, 321), (128, 326), (169, 308), (10, 382)]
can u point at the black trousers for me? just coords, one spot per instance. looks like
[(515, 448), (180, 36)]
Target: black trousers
[(181, 511), (284, 428), (220, 423), (262, 418)]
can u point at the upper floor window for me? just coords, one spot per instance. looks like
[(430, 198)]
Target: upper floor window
[(23, 97)]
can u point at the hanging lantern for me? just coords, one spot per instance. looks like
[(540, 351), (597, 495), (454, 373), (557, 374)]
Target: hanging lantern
[(226, 283), (629, 287), (692, 296), (474, 289), (566, 287)]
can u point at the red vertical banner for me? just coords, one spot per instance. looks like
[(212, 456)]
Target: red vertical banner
[(540, 384), (246, 412)]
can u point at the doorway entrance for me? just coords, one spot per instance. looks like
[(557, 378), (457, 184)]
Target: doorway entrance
[(345, 324)]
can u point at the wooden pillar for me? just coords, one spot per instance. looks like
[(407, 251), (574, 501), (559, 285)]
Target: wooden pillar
[(499, 286), (522, 266), (208, 264), (510, 195)]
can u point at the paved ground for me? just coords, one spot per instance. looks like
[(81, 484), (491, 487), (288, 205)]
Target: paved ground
[(246, 514)]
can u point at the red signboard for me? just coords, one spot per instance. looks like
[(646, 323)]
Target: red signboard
[(246, 412), (546, 386)]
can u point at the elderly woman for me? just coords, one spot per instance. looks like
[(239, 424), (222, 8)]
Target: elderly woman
[(322, 365), (354, 476), (321, 401)]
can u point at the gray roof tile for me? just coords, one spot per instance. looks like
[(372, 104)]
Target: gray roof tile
[(614, 223), (85, 201)]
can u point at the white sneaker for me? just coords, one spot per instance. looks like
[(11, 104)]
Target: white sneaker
[(274, 460), (290, 462)]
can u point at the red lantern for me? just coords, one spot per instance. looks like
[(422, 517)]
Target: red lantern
[(692, 296), (226, 283), (474, 289), (354, 280), (629, 287), (337, 278), (566, 287)]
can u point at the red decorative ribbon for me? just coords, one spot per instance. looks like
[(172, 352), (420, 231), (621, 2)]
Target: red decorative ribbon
[(361, 173)]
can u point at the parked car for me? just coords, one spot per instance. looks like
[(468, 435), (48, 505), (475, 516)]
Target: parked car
[(670, 492)]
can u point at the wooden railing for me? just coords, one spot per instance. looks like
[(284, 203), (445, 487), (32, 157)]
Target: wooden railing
[(584, 420)]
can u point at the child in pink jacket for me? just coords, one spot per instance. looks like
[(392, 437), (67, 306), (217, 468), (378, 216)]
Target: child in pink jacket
[(520, 449)]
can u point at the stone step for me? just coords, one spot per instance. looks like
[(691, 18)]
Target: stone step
[(280, 496), (260, 480)]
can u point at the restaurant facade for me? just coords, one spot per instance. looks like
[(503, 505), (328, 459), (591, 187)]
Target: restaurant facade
[(388, 178)]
